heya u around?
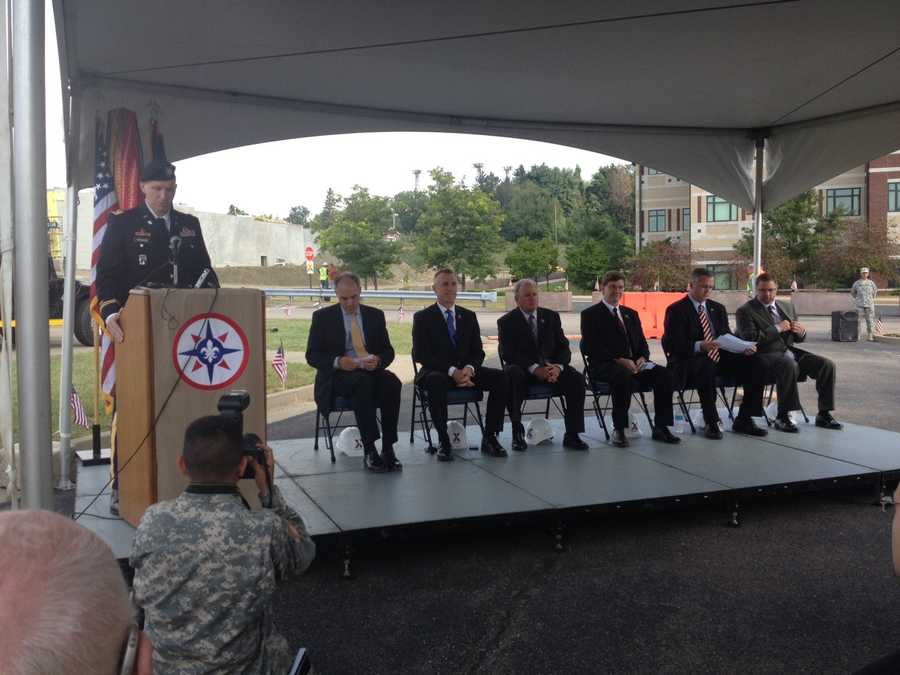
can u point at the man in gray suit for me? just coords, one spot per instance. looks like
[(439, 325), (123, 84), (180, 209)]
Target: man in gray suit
[(773, 325)]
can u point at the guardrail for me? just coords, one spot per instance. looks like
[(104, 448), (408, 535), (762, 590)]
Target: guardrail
[(483, 297)]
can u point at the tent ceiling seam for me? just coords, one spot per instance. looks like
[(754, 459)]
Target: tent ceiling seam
[(452, 38), (838, 84)]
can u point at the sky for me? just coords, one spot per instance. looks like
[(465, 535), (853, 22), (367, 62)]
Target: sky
[(270, 178)]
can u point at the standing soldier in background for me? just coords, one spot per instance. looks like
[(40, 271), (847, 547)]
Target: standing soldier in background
[(864, 291)]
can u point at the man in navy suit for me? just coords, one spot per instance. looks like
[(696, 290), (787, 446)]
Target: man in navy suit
[(446, 340), (612, 338), (689, 339), (350, 349), (536, 351)]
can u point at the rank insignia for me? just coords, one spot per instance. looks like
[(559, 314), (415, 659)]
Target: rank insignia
[(142, 260)]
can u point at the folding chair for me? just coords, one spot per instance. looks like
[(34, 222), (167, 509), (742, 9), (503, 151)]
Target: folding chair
[(540, 391), (722, 383), (464, 396), (598, 388), (339, 405)]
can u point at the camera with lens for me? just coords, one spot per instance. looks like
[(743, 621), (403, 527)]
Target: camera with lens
[(231, 407)]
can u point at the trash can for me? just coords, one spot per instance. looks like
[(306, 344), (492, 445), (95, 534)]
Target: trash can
[(845, 326)]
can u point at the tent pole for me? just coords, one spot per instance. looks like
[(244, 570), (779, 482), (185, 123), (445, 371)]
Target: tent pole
[(758, 207), (31, 278), (71, 239)]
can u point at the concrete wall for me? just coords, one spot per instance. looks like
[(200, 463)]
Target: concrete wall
[(232, 240)]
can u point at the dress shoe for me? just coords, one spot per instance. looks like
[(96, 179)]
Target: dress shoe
[(618, 438), (519, 444), (663, 434), (372, 462), (389, 459), (826, 421), (713, 431), (491, 446), (573, 442), (444, 453), (747, 427), (785, 423)]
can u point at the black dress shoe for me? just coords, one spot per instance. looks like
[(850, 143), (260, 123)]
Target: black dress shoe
[(444, 453), (785, 423), (519, 443), (618, 438), (389, 459), (747, 427), (663, 434), (574, 442), (491, 446), (826, 421), (372, 462), (713, 431)]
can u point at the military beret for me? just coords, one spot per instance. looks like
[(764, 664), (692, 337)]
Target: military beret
[(158, 170)]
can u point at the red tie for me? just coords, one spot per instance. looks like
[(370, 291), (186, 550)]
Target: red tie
[(707, 332)]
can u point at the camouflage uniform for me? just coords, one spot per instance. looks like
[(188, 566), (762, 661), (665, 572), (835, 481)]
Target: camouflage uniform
[(864, 290), (206, 569)]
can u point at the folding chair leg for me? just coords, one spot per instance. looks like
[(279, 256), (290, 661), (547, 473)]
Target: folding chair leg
[(686, 411), (412, 417), (465, 419), (646, 410), (316, 442), (329, 441), (426, 426), (803, 412), (478, 417), (547, 411), (729, 406), (598, 412)]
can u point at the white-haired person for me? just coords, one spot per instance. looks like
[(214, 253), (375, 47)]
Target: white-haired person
[(64, 606)]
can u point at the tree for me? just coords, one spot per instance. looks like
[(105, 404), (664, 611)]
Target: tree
[(329, 211), (358, 235), (853, 245), (459, 228), (533, 259), (299, 215), (530, 213), (586, 263), (408, 206), (235, 211), (611, 192), (661, 265)]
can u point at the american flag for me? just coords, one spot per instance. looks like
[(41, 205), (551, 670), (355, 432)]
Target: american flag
[(105, 203), (78, 410), (279, 364), (879, 326)]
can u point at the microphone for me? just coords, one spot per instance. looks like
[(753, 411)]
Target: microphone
[(202, 278), (174, 247)]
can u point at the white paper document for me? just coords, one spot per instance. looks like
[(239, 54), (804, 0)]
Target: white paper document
[(732, 343), (647, 365)]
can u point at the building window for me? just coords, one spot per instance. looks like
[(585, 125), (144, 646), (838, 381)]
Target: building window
[(844, 199), (656, 220), (718, 210), (652, 172), (893, 196), (686, 219), (724, 277)]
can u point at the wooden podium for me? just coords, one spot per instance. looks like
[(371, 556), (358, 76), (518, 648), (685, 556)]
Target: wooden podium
[(183, 349)]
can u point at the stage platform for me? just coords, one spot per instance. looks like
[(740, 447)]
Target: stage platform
[(343, 500)]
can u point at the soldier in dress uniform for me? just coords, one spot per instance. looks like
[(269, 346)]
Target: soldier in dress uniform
[(141, 245)]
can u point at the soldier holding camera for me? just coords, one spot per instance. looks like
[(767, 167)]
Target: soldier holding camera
[(206, 566)]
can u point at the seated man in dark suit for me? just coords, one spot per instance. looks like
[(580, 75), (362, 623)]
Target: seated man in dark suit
[(773, 325), (613, 339), (349, 347), (535, 349), (447, 342), (689, 339)]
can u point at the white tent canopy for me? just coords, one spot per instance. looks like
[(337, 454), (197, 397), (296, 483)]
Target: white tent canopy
[(682, 86)]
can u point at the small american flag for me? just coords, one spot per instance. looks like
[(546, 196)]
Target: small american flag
[(879, 326), (78, 410), (279, 364)]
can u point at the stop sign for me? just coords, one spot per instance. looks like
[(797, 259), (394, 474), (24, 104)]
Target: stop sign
[(310, 253)]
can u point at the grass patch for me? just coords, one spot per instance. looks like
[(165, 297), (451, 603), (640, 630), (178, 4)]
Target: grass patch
[(295, 333)]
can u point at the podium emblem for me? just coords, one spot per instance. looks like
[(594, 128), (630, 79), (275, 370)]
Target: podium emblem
[(210, 351)]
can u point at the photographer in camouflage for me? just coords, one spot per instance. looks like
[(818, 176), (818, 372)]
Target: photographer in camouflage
[(206, 566)]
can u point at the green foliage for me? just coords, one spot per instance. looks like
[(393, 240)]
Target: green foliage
[(533, 259), (299, 215), (530, 213), (408, 206), (661, 265), (564, 185), (236, 211), (358, 235), (459, 228), (586, 263), (327, 215)]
